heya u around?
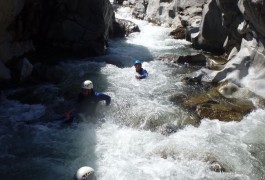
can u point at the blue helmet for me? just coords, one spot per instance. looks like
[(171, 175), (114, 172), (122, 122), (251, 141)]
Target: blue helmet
[(137, 62)]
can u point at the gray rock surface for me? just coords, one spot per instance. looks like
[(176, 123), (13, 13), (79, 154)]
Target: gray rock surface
[(212, 33), (244, 25), (122, 28), (171, 12)]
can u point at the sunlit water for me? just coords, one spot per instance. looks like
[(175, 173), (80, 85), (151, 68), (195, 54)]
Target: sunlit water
[(124, 141)]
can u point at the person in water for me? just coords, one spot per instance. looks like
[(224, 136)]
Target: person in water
[(87, 101), (141, 73)]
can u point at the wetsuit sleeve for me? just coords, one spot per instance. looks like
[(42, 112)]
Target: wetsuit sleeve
[(101, 96), (144, 74)]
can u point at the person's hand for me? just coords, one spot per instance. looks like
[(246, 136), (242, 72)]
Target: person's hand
[(137, 77), (69, 114)]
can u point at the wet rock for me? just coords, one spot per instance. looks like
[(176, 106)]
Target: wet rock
[(247, 64), (192, 119), (192, 80), (197, 59), (217, 167), (213, 65), (171, 58), (213, 105), (222, 112), (177, 98), (122, 28), (231, 90), (201, 99), (178, 33), (139, 11), (168, 129), (216, 62)]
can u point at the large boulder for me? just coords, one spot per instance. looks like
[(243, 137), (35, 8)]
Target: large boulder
[(53, 27), (254, 13), (80, 26), (225, 102), (122, 28), (247, 67), (239, 26), (212, 32)]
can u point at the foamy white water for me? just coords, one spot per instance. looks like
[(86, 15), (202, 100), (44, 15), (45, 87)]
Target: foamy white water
[(126, 142)]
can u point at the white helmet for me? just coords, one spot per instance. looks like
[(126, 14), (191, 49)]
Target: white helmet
[(85, 173), (87, 84)]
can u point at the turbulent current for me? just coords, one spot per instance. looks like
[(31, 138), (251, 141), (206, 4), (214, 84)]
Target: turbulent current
[(126, 140)]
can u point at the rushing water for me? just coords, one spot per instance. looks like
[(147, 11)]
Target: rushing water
[(125, 140)]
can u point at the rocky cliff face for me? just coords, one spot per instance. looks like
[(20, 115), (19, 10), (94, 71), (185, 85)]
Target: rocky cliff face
[(80, 27), (168, 13), (172, 12), (242, 23)]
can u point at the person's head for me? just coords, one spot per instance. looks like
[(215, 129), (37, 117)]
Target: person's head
[(85, 173), (87, 87), (137, 65)]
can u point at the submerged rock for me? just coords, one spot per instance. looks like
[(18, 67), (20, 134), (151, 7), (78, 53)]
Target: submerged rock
[(224, 111), (217, 167), (168, 129), (213, 105)]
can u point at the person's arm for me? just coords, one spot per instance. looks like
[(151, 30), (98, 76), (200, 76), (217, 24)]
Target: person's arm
[(143, 75), (105, 97)]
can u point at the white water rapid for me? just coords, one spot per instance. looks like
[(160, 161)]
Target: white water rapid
[(125, 140)]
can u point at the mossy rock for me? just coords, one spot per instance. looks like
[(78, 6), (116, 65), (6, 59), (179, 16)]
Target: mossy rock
[(195, 101), (225, 112), (213, 105), (212, 96)]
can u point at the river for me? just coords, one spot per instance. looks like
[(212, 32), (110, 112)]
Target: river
[(125, 141)]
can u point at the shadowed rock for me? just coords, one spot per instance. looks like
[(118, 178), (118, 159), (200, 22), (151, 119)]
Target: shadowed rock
[(122, 28), (54, 28), (197, 59)]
